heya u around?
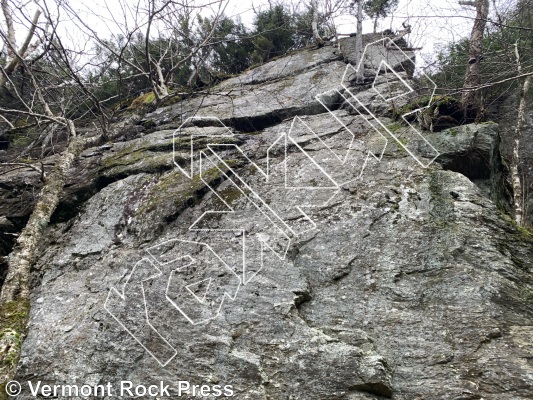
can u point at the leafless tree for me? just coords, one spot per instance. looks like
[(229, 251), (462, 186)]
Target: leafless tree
[(314, 24), (324, 14), (9, 37), (178, 44), (40, 108)]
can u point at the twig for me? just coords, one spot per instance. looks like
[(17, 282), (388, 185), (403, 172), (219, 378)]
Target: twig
[(28, 165)]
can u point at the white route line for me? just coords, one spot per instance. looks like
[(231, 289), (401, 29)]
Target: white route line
[(262, 207), (283, 229), (174, 274), (122, 296)]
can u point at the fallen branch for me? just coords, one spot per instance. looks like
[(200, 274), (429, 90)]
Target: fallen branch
[(40, 171)]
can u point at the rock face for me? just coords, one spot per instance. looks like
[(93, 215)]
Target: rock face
[(266, 95), (313, 259)]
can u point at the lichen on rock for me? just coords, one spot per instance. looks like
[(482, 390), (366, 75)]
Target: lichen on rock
[(404, 282)]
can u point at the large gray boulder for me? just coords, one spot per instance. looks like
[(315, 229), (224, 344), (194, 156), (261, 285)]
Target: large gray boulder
[(365, 275)]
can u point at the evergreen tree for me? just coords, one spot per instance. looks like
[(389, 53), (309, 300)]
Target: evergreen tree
[(377, 9), (275, 33), (232, 45)]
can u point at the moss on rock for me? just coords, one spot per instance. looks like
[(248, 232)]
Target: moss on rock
[(135, 159), (14, 317), (174, 192), (443, 112), (143, 100)]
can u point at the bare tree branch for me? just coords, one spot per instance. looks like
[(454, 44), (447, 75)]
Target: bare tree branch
[(15, 55), (27, 165)]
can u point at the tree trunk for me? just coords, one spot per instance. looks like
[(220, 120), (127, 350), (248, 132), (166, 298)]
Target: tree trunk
[(518, 193), (359, 43), (314, 24), (16, 286), (159, 85), (471, 98), (376, 24), (10, 34), (14, 62), (15, 293)]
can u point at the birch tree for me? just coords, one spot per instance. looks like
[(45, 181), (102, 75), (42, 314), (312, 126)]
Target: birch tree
[(170, 38), (42, 109), (518, 191), (325, 12), (8, 34), (359, 42), (314, 24), (15, 290)]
